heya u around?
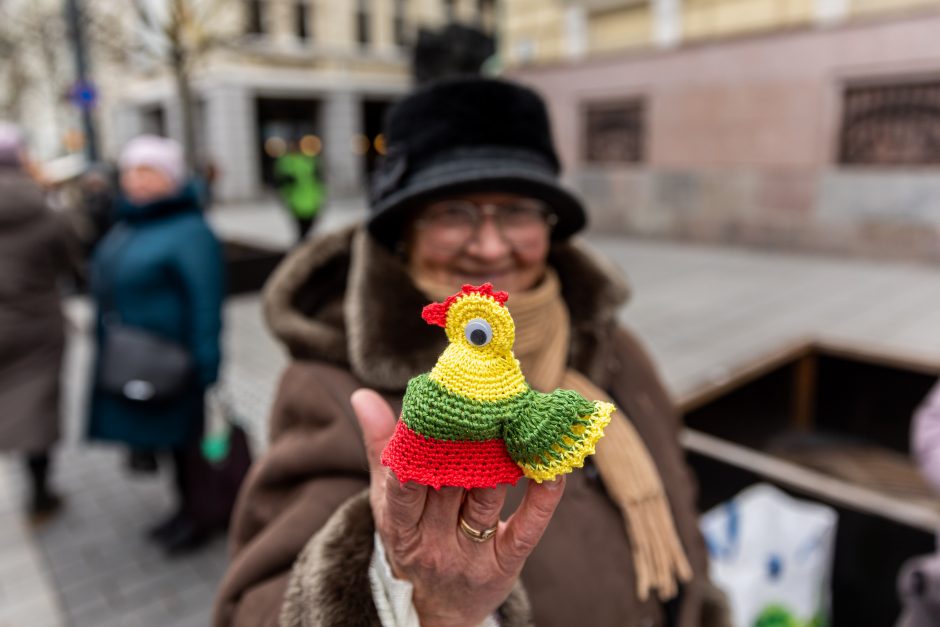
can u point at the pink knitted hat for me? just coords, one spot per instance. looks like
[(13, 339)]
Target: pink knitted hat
[(11, 144), (159, 153)]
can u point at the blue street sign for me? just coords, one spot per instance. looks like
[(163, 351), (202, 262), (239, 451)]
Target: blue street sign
[(83, 95)]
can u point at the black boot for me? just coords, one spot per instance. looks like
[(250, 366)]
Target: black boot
[(44, 503), (43, 506), (167, 528), (187, 535), (142, 462), (187, 538)]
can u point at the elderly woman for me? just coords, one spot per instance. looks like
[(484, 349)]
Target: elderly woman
[(158, 283), (35, 252), (325, 535)]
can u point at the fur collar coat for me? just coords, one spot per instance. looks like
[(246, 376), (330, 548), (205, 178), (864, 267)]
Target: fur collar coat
[(349, 315)]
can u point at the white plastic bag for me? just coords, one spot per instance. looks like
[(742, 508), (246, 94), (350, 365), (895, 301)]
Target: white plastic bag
[(772, 555)]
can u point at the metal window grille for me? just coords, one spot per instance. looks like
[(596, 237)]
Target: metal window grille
[(615, 132), (891, 125)]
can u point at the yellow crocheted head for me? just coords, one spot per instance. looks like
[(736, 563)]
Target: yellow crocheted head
[(478, 363), (482, 327)]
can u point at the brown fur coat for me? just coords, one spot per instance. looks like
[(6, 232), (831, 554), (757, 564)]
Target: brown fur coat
[(350, 317)]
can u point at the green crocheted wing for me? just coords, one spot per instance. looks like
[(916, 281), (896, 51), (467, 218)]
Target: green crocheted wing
[(551, 434)]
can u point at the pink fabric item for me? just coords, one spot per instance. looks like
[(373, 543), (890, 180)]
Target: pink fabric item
[(925, 436), (159, 153), (11, 144)]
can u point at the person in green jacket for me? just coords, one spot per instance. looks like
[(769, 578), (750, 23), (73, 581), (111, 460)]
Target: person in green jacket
[(298, 182)]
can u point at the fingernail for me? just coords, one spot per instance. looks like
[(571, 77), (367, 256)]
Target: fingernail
[(555, 484)]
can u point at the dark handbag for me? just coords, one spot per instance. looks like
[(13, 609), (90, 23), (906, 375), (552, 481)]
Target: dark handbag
[(217, 468), (135, 363), (142, 366)]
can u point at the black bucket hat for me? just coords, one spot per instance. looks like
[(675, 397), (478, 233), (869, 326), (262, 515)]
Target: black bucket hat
[(467, 135)]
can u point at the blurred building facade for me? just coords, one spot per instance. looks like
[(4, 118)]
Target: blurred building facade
[(318, 72), (37, 75), (811, 124)]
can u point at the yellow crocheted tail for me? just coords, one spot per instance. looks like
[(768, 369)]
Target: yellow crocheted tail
[(578, 444)]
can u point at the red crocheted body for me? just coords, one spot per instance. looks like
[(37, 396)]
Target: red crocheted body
[(433, 462)]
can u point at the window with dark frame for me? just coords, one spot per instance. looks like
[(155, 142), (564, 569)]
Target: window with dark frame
[(486, 10), (891, 125), (302, 13), (400, 22), (255, 22), (450, 10), (615, 131), (363, 23)]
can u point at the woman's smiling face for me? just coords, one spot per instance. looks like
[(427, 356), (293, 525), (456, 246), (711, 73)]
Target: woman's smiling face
[(501, 239)]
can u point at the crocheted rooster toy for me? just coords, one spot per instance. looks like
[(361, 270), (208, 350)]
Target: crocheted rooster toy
[(473, 421)]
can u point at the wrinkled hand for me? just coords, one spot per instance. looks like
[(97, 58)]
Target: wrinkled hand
[(456, 581)]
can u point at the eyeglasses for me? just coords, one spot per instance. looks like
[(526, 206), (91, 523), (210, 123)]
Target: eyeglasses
[(452, 224)]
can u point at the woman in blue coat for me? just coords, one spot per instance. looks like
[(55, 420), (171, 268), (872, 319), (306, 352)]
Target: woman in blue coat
[(159, 270)]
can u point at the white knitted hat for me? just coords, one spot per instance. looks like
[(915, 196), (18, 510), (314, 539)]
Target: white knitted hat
[(159, 153), (11, 144)]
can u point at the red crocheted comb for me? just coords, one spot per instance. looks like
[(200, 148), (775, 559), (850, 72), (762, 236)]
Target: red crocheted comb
[(436, 313)]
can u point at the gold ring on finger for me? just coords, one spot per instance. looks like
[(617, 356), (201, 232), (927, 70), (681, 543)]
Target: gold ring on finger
[(475, 534)]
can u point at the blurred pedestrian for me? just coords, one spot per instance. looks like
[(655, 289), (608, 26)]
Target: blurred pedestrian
[(925, 438), (297, 178), (919, 580), (34, 255), (207, 176), (157, 281), (97, 195)]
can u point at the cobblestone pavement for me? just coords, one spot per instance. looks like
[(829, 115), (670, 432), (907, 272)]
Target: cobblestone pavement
[(702, 311), (27, 596)]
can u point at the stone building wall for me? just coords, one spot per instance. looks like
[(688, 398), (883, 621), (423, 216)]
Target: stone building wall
[(741, 140)]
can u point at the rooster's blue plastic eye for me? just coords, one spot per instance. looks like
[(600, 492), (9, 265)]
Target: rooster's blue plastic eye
[(478, 332)]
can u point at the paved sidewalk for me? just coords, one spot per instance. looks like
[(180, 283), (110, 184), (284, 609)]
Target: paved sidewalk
[(27, 595), (268, 224), (703, 312), (706, 312)]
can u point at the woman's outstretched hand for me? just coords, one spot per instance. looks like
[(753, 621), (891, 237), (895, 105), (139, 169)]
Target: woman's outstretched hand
[(457, 581)]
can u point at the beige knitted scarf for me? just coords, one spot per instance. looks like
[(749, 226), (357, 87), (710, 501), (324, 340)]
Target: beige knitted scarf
[(543, 330)]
